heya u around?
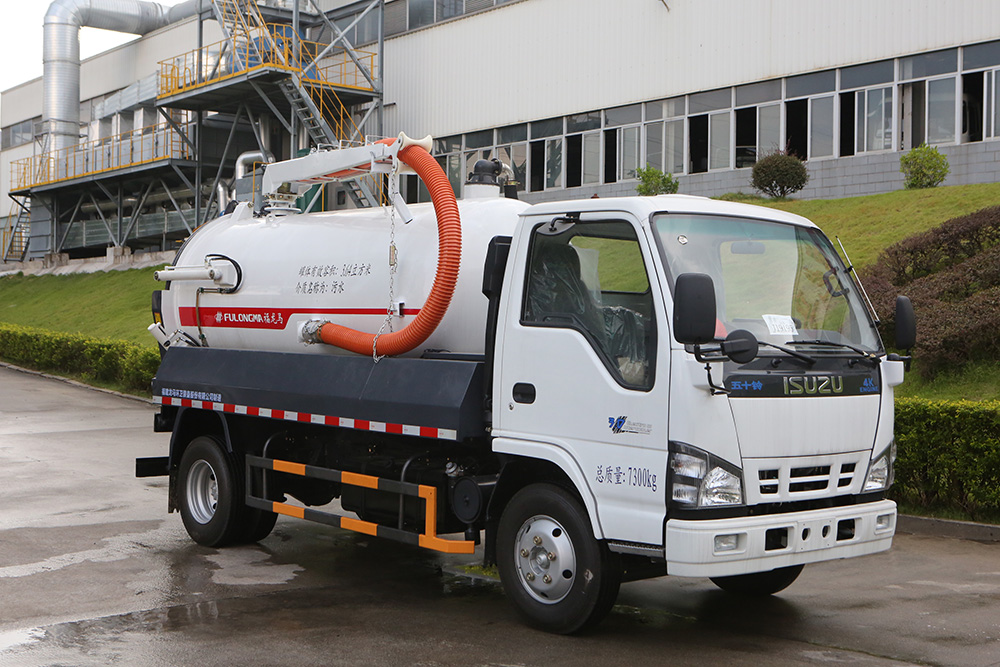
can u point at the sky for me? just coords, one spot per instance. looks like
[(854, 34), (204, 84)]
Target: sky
[(21, 46)]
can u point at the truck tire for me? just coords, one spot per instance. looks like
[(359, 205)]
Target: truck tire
[(759, 584), (211, 495), (559, 578), (257, 524)]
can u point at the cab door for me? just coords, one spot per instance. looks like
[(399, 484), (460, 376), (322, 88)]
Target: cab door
[(580, 380)]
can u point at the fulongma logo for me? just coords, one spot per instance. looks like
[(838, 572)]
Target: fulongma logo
[(814, 384)]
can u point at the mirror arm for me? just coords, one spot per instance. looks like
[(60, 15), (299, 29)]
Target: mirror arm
[(906, 359), (715, 389)]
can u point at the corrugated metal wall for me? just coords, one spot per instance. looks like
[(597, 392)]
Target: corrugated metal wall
[(539, 58)]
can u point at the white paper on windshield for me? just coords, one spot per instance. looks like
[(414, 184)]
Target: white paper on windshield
[(780, 325)]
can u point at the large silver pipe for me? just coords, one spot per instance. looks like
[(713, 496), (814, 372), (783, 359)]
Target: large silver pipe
[(244, 163), (61, 52)]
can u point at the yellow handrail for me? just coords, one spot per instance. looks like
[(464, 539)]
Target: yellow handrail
[(140, 146), (257, 48)]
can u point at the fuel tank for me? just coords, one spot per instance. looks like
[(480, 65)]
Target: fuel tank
[(273, 273)]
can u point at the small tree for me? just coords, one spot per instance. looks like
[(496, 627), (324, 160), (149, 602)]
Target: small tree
[(652, 181), (779, 174), (923, 167)]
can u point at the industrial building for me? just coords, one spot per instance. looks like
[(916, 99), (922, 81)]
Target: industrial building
[(134, 148)]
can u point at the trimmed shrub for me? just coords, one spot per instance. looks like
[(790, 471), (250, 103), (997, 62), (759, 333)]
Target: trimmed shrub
[(124, 364), (779, 174), (948, 455), (923, 167), (952, 276), (652, 181)]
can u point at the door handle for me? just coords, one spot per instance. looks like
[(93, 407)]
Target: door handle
[(524, 392)]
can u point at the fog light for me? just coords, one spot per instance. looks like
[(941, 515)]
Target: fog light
[(725, 543), (883, 522)]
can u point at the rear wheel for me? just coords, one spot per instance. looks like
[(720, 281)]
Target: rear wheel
[(558, 576), (759, 584), (211, 498)]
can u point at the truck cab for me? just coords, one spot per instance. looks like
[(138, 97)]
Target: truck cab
[(758, 445)]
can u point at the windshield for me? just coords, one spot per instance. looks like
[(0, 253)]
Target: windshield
[(781, 282)]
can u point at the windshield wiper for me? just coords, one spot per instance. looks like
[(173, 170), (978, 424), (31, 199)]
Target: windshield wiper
[(865, 354), (790, 352)]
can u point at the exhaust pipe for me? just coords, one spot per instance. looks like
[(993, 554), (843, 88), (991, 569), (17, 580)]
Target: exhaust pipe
[(61, 52)]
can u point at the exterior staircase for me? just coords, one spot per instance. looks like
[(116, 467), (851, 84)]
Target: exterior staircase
[(245, 27), (15, 238)]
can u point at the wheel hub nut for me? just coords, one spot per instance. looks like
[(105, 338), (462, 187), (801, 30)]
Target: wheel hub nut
[(530, 576), (538, 539), (547, 579), (524, 553), (552, 555)]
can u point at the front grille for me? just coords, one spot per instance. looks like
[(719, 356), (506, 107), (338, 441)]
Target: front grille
[(784, 480)]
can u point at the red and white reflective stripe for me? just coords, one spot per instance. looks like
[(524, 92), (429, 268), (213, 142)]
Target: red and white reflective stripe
[(309, 418)]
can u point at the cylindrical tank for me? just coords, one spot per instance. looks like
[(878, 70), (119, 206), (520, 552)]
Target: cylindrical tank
[(334, 267)]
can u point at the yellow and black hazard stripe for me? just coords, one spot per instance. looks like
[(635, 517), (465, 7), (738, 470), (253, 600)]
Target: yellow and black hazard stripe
[(427, 539)]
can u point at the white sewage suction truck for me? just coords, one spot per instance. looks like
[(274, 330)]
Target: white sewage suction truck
[(600, 390)]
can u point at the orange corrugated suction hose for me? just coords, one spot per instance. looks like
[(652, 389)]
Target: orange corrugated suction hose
[(449, 257)]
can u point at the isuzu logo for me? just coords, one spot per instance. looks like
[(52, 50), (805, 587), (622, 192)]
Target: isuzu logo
[(814, 384)]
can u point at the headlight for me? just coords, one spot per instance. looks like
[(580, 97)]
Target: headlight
[(881, 471), (698, 479)]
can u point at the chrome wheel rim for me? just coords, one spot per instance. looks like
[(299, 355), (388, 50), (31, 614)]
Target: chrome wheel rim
[(545, 558), (202, 491)]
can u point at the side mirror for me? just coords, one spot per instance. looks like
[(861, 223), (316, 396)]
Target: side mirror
[(741, 346), (694, 309), (906, 324)]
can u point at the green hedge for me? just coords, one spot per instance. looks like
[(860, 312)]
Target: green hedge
[(124, 365), (948, 455)]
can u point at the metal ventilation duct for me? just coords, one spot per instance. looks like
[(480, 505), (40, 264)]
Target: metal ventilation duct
[(61, 52)]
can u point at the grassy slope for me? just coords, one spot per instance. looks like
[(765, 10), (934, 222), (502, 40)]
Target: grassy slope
[(102, 305), (868, 224)]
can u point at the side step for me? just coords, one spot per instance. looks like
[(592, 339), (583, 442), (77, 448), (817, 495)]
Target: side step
[(427, 539)]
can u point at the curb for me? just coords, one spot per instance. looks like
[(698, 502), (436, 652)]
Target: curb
[(962, 530), (28, 371)]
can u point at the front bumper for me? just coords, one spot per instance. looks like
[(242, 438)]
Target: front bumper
[(764, 543)]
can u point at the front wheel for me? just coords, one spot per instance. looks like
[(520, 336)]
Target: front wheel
[(559, 578), (759, 584)]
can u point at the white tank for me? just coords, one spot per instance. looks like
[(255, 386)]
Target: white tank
[(335, 267)]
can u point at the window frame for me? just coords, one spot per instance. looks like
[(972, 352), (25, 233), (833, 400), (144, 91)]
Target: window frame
[(599, 350)]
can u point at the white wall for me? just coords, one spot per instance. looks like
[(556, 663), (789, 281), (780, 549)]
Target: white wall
[(540, 58)]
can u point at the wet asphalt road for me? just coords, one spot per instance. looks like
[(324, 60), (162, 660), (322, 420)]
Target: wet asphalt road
[(93, 571)]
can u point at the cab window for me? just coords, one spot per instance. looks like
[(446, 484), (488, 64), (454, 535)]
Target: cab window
[(590, 276)]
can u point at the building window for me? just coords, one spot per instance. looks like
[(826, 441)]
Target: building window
[(718, 140), (768, 129), (553, 163), (420, 13), (17, 134), (545, 155), (941, 111), (821, 127), (583, 159), (874, 119), (746, 137), (809, 127), (447, 9), (664, 139)]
